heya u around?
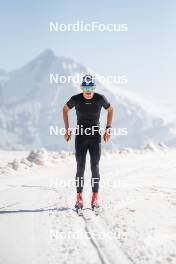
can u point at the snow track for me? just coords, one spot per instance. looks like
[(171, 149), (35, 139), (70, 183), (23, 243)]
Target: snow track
[(136, 224), (101, 238)]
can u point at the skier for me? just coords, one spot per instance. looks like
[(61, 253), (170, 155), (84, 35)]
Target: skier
[(88, 105)]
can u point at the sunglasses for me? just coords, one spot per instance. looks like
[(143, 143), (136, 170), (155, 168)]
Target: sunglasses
[(87, 89)]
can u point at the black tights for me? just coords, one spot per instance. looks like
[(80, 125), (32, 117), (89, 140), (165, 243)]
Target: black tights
[(93, 144)]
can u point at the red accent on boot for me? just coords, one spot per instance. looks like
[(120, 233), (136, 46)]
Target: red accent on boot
[(79, 200), (94, 201)]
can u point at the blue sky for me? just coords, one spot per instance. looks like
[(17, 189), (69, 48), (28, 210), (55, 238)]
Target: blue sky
[(146, 53)]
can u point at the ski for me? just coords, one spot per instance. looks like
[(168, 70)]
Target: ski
[(96, 210), (79, 211)]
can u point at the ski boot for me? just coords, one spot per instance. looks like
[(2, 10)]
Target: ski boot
[(79, 203), (94, 203)]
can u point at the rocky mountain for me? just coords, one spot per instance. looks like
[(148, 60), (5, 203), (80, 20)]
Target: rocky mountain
[(30, 104)]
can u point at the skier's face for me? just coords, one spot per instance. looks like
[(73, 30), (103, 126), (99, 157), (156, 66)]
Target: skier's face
[(88, 92)]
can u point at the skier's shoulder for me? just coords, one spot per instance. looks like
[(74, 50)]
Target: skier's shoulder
[(76, 96), (99, 96)]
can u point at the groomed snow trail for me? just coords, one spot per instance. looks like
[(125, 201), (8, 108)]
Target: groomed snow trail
[(136, 223)]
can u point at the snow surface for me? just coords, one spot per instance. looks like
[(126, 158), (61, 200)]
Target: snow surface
[(138, 208)]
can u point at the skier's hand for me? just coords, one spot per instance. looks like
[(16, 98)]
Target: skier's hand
[(107, 134), (67, 135)]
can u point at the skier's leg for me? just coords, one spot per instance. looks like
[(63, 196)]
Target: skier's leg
[(80, 153), (95, 153)]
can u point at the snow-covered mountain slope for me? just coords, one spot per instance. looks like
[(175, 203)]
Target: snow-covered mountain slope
[(30, 104), (136, 224)]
